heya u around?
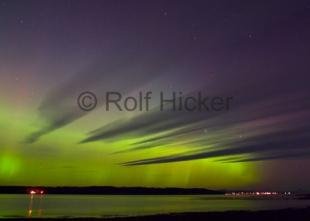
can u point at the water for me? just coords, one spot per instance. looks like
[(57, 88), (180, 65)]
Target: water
[(127, 205)]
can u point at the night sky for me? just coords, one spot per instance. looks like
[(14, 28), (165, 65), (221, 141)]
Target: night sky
[(257, 52)]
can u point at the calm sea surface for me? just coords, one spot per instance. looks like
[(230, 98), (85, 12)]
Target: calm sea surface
[(126, 205)]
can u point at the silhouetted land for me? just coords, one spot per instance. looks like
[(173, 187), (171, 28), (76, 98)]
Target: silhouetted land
[(106, 190), (285, 214), (270, 215)]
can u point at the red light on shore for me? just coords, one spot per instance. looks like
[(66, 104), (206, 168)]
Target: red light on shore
[(36, 191)]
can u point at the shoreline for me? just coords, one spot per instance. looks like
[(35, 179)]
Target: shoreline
[(107, 190), (281, 214)]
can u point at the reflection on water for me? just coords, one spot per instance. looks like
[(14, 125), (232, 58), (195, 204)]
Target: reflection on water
[(35, 208), (12, 205)]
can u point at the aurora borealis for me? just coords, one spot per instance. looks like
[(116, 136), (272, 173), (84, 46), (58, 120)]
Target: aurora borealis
[(256, 52)]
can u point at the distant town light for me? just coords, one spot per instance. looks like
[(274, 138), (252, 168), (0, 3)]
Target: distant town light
[(257, 193)]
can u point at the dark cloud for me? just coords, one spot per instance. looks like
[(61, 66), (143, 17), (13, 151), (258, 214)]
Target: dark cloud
[(253, 127), (247, 148), (121, 72)]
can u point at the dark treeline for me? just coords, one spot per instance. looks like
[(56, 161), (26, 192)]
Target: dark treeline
[(107, 190)]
